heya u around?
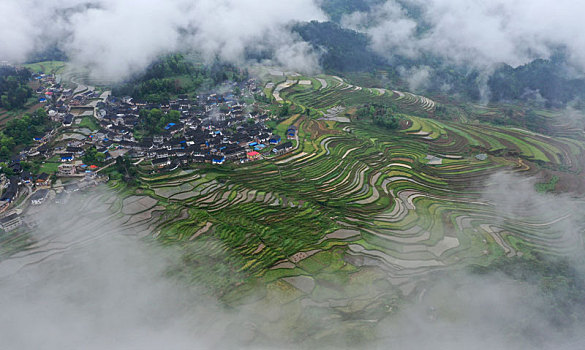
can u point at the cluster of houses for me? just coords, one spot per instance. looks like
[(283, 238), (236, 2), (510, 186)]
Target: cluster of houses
[(37, 188), (48, 87), (66, 104), (212, 128)]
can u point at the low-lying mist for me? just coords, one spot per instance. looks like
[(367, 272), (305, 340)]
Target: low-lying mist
[(479, 33), (118, 38), (534, 300), (90, 282)]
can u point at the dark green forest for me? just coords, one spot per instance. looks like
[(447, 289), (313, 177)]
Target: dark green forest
[(14, 89), (548, 78), (153, 122), (173, 75), (19, 133), (348, 51), (345, 50)]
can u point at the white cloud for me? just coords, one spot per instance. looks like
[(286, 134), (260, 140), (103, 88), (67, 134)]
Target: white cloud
[(476, 32), (416, 77), (117, 38)]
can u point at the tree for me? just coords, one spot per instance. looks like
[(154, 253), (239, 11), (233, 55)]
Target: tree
[(284, 110), (154, 121), (5, 152), (93, 157), (388, 121), (32, 167), (173, 117), (41, 114), (14, 91), (5, 102), (363, 113), (5, 169), (20, 132), (125, 167)]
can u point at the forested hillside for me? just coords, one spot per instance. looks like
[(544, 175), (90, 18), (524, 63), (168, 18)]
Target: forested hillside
[(14, 89), (344, 50), (541, 78), (173, 75)]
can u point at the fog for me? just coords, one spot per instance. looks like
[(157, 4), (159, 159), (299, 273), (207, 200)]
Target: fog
[(560, 216), (118, 38), (464, 310), (91, 282), (487, 312), (478, 33), (417, 78)]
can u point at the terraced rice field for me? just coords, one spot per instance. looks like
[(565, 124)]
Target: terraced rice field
[(351, 207), (367, 197), (334, 91)]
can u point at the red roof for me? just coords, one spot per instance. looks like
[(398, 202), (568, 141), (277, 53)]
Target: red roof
[(253, 154), (93, 166)]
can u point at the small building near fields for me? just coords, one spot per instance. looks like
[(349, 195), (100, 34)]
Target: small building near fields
[(253, 155)]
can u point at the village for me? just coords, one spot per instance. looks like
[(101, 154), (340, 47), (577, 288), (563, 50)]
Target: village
[(212, 128)]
